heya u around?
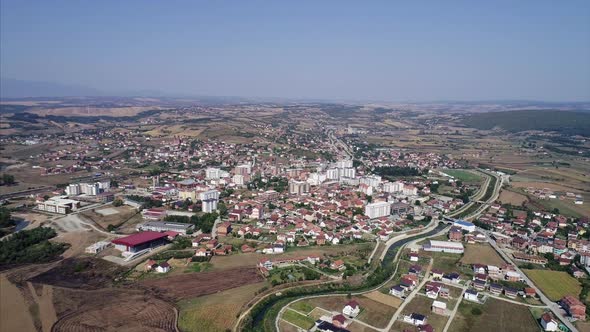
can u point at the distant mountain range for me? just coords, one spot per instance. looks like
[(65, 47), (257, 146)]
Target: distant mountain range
[(13, 88)]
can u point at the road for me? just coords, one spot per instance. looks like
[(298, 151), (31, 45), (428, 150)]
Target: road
[(454, 312), (550, 304), (388, 244)]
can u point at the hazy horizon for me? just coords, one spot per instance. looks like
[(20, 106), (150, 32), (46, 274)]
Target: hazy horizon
[(381, 51)]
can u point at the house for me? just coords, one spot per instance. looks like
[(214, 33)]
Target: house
[(471, 295), (338, 265), (413, 257), (415, 319), (549, 323), (453, 278), (510, 292), (407, 283), (163, 268), (436, 273), (224, 228), (574, 307), (351, 309), (512, 276), (398, 291), (496, 289), (202, 252), (530, 292), (479, 284), (439, 308), (415, 270), (339, 320)]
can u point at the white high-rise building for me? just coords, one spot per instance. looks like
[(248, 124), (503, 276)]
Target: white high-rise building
[(298, 187), (209, 200), (315, 179), (238, 179), (73, 189), (347, 172), (377, 209), (371, 180), (332, 174), (346, 163), (393, 187), (212, 173)]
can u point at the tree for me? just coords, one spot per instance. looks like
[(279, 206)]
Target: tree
[(117, 202), (7, 180)]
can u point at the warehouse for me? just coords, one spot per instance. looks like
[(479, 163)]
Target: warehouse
[(464, 225), (444, 246), (158, 226), (140, 241)]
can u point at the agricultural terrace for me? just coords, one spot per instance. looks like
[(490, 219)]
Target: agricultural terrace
[(481, 254), (555, 284), (494, 315)]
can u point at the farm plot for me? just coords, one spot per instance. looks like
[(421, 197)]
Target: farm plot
[(295, 318), (512, 198), (374, 313), (555, 284), (463, 175), (494, 315), (112, 309), (193, 285), (422, 305), (481, 254), (214, 312)]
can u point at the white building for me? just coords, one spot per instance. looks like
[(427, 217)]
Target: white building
[(347, 172), (377, 209), (410, 190), (298, 187), (548, 322), (471, 295), (444, 246), (73, 189), (315, 179), (215, 173), (97, 247), (238, 179), (464, 225), (209, 200), (58, 204), (351, 309), (371, 180), (332, 174), (346, 163), (393, 187)]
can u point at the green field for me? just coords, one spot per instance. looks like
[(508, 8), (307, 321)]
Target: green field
[(302, 306), (462, 175), (555, 284), (494, 315), (295, 318)]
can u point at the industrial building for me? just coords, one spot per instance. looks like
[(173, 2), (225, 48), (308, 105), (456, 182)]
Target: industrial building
[(159, 226), (140, 241), (444, 246)]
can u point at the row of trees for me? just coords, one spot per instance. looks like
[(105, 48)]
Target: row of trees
[(397, 171), (31, 246), (204, 223)]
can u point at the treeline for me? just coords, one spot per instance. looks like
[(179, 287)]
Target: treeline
[(397, 171), (204, 223), (31, 246), (146, 202)]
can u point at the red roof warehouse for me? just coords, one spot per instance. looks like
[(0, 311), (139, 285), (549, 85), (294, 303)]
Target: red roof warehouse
[(140, 241)]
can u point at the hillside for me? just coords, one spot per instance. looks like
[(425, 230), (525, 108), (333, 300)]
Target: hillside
[(574, 123)]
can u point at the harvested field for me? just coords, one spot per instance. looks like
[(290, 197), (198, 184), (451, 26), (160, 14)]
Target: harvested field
[(388, 300), (495, 316), (555, 284), (87, 273), (482, 254), (198, 284), (214, 312), (107, 212), (373, 312), (112, 310), (511, 197)]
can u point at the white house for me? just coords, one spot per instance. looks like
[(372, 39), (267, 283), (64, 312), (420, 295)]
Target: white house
[(548, 322), (415, 319), (163, 268), (471, 295), (351, 309)]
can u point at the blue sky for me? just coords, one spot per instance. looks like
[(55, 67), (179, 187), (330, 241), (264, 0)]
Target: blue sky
[(369, 50)]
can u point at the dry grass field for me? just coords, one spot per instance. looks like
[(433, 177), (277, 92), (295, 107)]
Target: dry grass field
[(422, 305), (214, 312), (388, 300), (555, 284), (496, 316), (373, 312), (482, 254), (511, 197)]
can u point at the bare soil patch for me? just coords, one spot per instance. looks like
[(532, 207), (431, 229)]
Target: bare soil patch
[(197, 284), (112, 310), (86, 273)]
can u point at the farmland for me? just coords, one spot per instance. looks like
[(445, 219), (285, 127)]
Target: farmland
[(555, 284), (213, 312), (421, 305), (298, 319), (191, 285), (482, 254), (494, 315)]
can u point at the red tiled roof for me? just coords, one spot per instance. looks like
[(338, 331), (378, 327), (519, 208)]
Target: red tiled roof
[(139, 238)]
